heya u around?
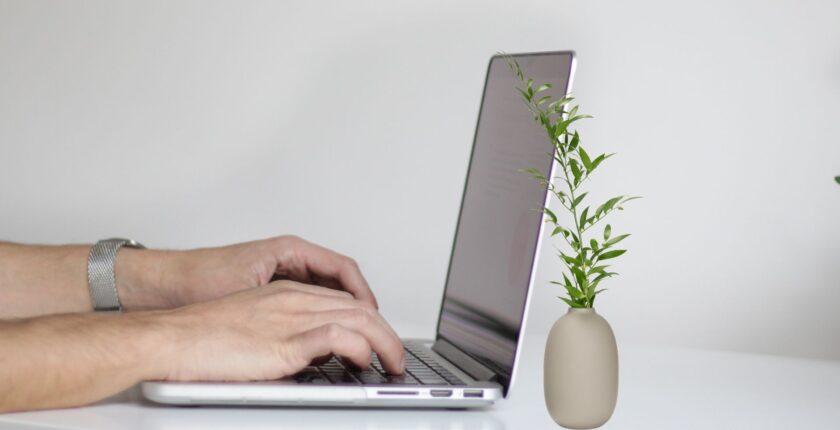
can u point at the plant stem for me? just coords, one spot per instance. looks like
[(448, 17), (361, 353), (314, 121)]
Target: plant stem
[(572, 189)]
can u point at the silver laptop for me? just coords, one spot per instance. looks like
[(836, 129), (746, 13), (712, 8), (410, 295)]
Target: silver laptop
[(472, 360)]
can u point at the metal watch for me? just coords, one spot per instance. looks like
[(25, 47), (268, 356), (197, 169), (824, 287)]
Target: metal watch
[(101, 279)]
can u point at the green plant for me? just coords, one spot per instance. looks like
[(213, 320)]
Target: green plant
[(837, 178), (587, 251)]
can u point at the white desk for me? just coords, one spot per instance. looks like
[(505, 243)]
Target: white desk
[(660, 388)]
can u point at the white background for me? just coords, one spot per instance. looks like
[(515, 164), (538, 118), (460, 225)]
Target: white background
[(186, 124)]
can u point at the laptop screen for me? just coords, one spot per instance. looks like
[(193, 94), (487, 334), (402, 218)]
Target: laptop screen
[(500, 221)]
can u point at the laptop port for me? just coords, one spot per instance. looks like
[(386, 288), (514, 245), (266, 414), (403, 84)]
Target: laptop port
[(474, 393), (441, 393), (397, 393)]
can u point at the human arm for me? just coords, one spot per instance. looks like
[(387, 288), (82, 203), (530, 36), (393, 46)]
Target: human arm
[(258, 334), (43, 280)]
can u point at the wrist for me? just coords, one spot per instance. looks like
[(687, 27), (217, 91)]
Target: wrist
[(142, 277), (152, 337), (169, 338)]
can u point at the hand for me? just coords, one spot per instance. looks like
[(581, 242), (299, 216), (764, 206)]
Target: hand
[(273, 331), (261, 333), (166, 279)]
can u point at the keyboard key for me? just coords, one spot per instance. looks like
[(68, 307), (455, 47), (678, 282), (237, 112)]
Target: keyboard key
[(368, 376), (371, 377), (401, 379), (421, 368), (344, 378), (434, 381), (310, 375)]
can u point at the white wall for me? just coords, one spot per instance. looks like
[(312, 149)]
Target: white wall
[(187, 124)]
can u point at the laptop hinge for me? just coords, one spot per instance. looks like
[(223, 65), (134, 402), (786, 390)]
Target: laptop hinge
[(469, 365)]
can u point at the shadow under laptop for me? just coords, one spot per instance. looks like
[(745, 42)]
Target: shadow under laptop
[(130, 410), (312, 418)]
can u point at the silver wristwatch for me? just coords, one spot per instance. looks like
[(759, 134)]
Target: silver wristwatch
[(101, 279)]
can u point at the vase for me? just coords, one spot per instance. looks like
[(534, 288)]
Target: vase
[(581, 370)]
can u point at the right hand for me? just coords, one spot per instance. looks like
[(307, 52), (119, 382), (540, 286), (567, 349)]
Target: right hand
[(273, 331)]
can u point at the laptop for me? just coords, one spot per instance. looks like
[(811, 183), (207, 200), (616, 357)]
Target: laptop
[(472, 360)]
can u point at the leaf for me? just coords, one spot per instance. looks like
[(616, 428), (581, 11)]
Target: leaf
[(583, 216), (599, 269), (573, 118), (611, 254), (594, 244), (566, 279), (837, 178), (607, 231), (571, 303), (558, 230), (606, 207), (550, 215), (572, 262), (575, 139), (543, 87), (584, 157), (559, 103), (515, 65), (613, 201), (615, 240), (599, 159), (543, 99), (560, 128), (573, 292), (580, 277), (578, 199), (575, 238), (590, 291), (575, 170), (536, 174), (524, 94), (598, 279)]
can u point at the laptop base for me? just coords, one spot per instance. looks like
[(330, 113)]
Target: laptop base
[(291, 392)]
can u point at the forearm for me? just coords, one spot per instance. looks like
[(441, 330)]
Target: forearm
[(38, 280), (43, 280), (71, 360)]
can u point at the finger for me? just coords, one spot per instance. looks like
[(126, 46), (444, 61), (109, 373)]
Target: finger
[(330, 265), (311, 289), (332, 339), (373, 327), (317, 304), (302, 301), (317, 361)]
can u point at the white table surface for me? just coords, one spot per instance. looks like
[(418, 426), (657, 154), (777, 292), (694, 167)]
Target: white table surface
[(660, 388)]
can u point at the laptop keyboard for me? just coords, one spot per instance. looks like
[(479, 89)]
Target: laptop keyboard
[(420, 369)]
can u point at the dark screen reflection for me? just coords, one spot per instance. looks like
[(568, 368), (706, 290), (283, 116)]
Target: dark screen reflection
[(499, 225)]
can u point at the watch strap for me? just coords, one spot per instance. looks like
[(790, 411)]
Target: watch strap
[(101, 278)]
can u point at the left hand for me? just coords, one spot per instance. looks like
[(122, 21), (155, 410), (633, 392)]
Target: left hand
[(150, 279)]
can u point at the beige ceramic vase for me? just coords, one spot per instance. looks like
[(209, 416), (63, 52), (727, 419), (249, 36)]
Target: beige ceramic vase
[(581, 370)]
